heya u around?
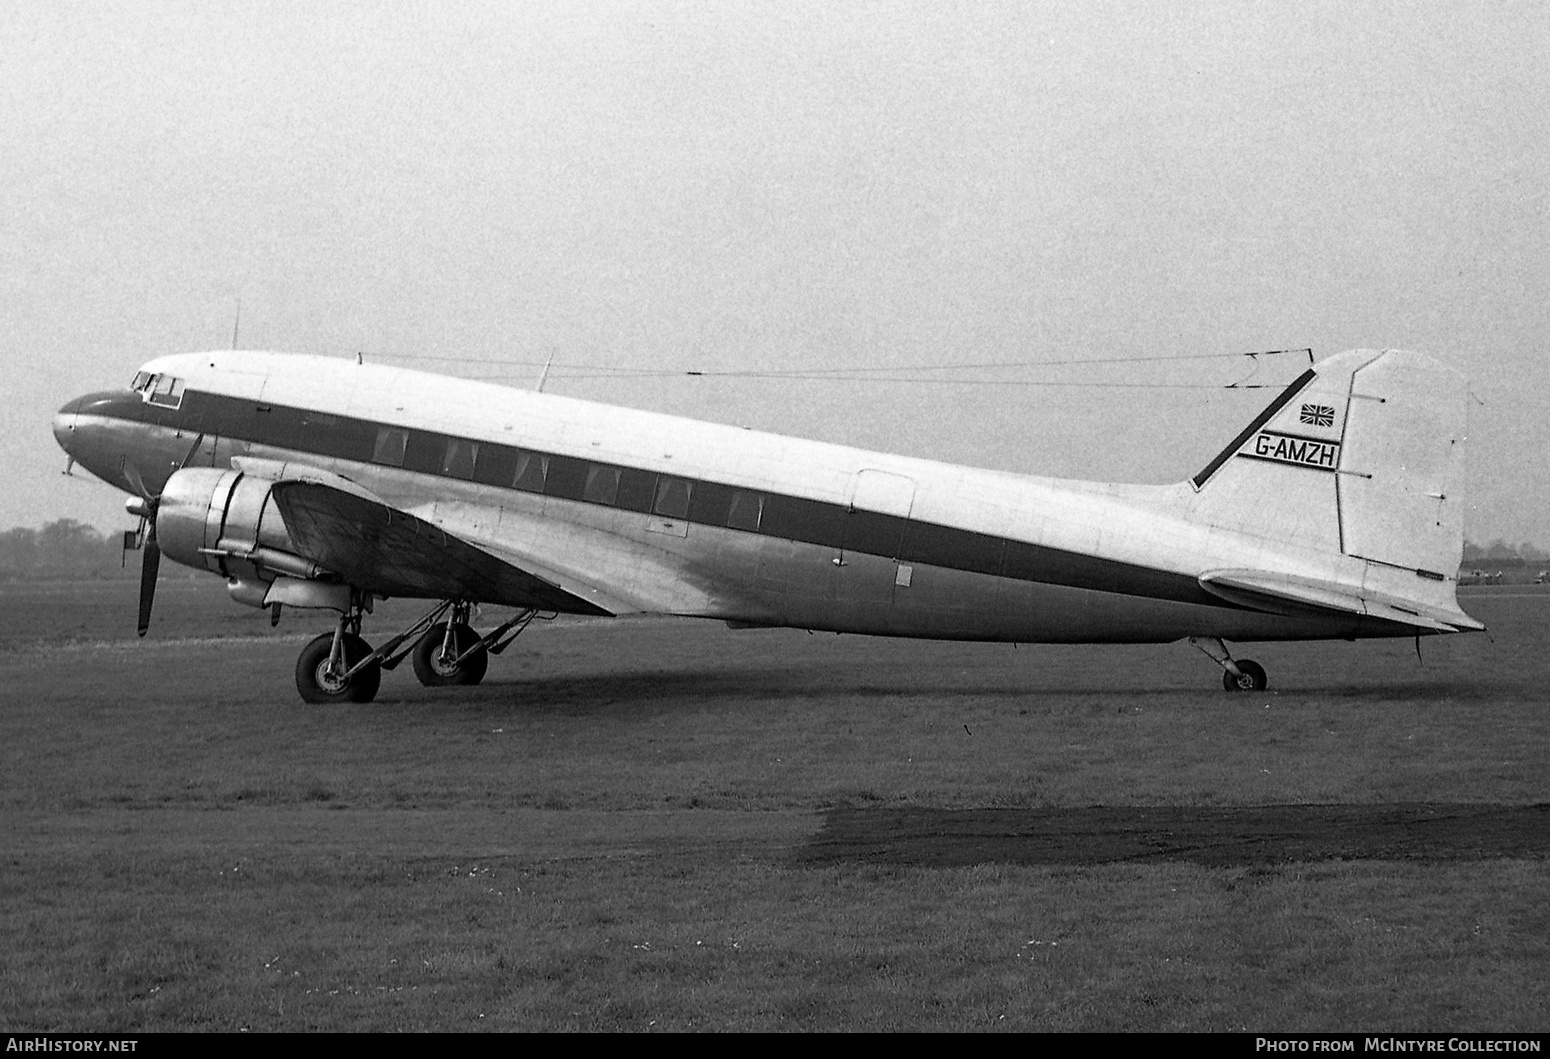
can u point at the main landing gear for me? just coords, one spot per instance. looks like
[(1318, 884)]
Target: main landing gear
[(1237, 674), (450, 653), (341, 667)]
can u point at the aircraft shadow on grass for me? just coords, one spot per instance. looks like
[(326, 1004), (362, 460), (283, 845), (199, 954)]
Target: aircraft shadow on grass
[(730, 685), (1217, 837)]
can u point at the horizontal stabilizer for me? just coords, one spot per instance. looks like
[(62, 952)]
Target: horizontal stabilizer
[(1286, 594)]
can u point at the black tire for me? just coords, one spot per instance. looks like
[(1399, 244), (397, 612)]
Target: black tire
[(1253, 678), (316, 685), (436, 671)]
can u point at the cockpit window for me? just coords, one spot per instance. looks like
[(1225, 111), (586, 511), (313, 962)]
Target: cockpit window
[(159, 389), (167, 392)]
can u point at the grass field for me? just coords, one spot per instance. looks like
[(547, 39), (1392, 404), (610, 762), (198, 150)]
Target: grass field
[(670, 825)]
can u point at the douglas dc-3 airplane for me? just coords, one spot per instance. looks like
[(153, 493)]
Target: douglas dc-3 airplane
[(315, 482)]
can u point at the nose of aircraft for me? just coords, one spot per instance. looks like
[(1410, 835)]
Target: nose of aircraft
[(64, 423)]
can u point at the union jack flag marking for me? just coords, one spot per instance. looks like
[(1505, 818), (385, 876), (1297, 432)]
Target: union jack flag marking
[(1319, 415)]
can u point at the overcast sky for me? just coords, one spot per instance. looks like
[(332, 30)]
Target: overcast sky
[(792, 187)]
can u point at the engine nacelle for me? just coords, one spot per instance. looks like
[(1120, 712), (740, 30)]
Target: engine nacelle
[(227, 522)]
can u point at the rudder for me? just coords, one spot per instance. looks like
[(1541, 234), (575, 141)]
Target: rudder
[(1401, 464)]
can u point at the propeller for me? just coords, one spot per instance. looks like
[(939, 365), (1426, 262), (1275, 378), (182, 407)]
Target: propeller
[(144, 504)]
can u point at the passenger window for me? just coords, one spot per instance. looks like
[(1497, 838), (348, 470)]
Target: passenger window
[(746, 510), (459, 461), (602, 484), (673, 498), (495, 465), (389, 449), (532, 469), (711, 503), (637, 489), (332, 435), (566, 478)]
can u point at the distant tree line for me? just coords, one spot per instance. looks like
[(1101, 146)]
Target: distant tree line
[(1508, 554), (64, 549)]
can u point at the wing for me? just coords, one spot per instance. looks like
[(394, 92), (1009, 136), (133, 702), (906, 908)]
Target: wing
[(1276, 593), (381, 549)]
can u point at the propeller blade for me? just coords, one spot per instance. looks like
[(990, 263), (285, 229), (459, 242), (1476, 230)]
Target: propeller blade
[(149, 567), (137, 483)]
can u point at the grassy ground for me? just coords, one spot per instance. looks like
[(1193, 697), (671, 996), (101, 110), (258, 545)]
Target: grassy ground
[(656, 824)]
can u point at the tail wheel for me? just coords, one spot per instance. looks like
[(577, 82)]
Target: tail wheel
[(320, 682), (436, 656), (1252, 679)]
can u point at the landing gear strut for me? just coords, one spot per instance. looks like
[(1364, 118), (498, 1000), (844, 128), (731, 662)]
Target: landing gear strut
[(1237, 675)]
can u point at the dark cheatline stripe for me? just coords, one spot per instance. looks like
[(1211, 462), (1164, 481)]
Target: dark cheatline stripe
[(1260, 420), (789, 517)]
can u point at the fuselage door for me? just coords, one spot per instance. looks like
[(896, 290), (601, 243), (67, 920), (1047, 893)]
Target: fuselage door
[(868, 569)]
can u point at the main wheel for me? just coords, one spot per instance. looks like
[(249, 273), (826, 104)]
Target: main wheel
[(319, 683), (435, 657), (1253, 678)]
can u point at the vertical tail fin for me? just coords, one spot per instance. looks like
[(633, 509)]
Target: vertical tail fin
[(1362, 455)]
